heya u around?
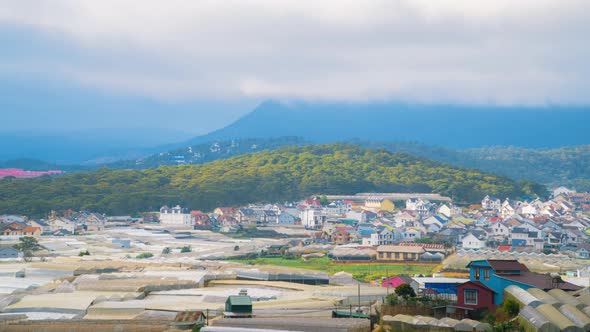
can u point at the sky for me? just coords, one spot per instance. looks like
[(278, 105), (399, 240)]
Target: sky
[(195, 65)]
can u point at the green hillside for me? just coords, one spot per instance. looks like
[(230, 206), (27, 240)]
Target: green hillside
[(284, 174)]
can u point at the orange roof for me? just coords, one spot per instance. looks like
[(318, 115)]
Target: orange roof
[(31, 229)]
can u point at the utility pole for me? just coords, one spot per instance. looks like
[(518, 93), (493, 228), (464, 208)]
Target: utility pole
[(359, 296)]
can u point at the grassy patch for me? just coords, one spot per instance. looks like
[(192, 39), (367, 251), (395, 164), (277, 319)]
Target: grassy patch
[(360, 271)]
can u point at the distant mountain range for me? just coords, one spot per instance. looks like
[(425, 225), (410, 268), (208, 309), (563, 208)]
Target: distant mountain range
[(442, 125), (454, 127)]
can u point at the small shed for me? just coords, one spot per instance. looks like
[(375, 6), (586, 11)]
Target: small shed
[(10, 253), (238, 306)]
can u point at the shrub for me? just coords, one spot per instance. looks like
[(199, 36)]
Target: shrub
[(84, 253), (406, 291), (145, 255), (166, 251), (186, 249), (511, 307)]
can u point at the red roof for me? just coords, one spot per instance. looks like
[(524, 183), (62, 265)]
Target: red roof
[(31, 229), (504, 247), (393, 282), (478, 284)]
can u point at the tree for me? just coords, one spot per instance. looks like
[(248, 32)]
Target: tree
[(27, 243), (186, 249), (166, 251), (324, 200), (405, 290), (84, 253), (511, 307)]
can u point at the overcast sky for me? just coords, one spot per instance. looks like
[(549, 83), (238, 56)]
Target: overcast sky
[(235, 53)]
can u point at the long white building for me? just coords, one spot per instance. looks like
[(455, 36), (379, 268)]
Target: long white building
[(176, 216)]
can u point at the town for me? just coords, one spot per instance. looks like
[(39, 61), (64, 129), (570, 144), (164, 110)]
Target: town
[(338, 260)]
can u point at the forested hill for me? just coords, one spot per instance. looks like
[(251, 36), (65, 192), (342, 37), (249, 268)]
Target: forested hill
[(284, 174)]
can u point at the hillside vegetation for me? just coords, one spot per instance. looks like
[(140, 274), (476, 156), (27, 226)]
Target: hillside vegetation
[(284, 174)]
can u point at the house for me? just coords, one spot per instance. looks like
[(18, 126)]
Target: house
[(422, 207), (238, 306), (399, 253), (562, 191), (176, 216), (31, 231), (286, 218), (446, 211), (471, 241), (507, 210), (269, 217), (474, 295), (379, 203), (10, 253), (224, 211), (381, 236), (337, 208), (491, 203), (410, 234), (94, 222), (404, 219), (246, 216), (200, 219), (43, 226), (499, 229), (519, 237), (499, 274), (340, 236), (437, 221), (401, 279), (313, 218), (12, 229)]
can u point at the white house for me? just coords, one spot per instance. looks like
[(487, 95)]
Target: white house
[(380, 238), (562, 191), (445, 210), (313, 218), (471, 241), (500, 229), (176, 216), (411, 234), (529, 210), (507, 209), (491, 203)]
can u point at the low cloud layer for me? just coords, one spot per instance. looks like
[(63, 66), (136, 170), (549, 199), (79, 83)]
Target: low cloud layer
[(500, 51)]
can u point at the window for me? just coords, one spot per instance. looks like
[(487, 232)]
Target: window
[(470, 296), (486, 274), (477, 273)]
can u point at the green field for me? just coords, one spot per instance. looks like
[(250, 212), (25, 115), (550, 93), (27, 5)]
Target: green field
[(363, 272)]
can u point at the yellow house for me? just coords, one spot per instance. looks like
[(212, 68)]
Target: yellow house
[(381, 204), (399, 253)]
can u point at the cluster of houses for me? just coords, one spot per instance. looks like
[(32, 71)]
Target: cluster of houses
[(560, 223), (68, 223), (376, 222)]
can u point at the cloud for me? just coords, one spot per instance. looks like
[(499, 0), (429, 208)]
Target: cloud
[(501, 51)]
